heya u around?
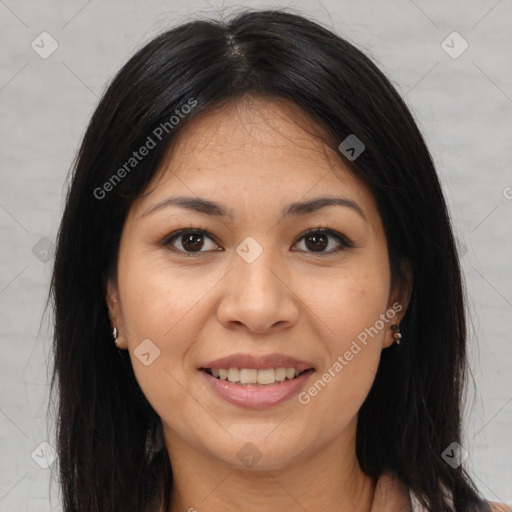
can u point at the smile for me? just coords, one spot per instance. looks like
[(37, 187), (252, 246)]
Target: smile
[(254, 394), (252, 376)]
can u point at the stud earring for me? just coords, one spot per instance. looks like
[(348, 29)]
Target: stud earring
[(114, 335), (395, 329)]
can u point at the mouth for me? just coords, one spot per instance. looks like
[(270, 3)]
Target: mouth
[(256, 381), (251, 388), (256, 378)]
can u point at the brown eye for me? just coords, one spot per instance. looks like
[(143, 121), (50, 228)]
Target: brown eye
[(189, 241), (192, 241), (318, 240)]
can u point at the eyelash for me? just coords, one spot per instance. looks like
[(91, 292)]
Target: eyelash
[(344, 242)]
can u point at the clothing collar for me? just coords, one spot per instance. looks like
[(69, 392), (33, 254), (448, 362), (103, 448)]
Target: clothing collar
[(392, 495)]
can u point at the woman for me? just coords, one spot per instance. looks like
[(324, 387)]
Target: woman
[(258, 301)]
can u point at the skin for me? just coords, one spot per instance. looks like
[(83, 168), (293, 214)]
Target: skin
[(253, 157)]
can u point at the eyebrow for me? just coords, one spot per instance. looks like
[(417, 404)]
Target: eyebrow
[(207, 207)]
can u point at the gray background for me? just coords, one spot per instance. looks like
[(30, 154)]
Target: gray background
[(463, 105)]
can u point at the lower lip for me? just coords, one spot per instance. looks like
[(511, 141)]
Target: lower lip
[(257, 397)]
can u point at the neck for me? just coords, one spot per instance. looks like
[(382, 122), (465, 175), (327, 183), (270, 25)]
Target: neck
[(326, 478)]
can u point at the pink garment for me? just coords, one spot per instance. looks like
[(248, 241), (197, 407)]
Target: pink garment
[(391, 495)]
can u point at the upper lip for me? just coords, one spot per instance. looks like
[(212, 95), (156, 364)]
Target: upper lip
[(258, 362)]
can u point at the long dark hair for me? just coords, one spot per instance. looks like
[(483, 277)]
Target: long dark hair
[(110, 452)]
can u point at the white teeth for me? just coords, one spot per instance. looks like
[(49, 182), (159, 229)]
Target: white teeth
[(266, 376), (280, 374), (253, 376), (248, 376), (233, 375)]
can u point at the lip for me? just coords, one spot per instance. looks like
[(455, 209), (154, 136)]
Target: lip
[(256, 397), (258, 362)]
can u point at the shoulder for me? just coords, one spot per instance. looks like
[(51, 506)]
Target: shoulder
[(392, 494), (489, 506), (500, 507)]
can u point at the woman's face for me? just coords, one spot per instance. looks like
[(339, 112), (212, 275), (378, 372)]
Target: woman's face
[(249, 291)]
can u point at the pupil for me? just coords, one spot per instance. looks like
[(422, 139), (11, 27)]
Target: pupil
[(319, 241), (193, 241)]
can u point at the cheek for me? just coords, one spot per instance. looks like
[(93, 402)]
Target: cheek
[(348, 301), (166, 305), (157, 297), (352, 319)]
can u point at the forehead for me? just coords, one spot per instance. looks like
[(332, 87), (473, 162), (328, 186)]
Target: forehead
[(266, 149)]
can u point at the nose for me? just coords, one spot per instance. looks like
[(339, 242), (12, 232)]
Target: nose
[(258, 296)]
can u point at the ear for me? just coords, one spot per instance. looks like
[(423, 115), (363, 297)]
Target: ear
[(114, 312), (399, 299)]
